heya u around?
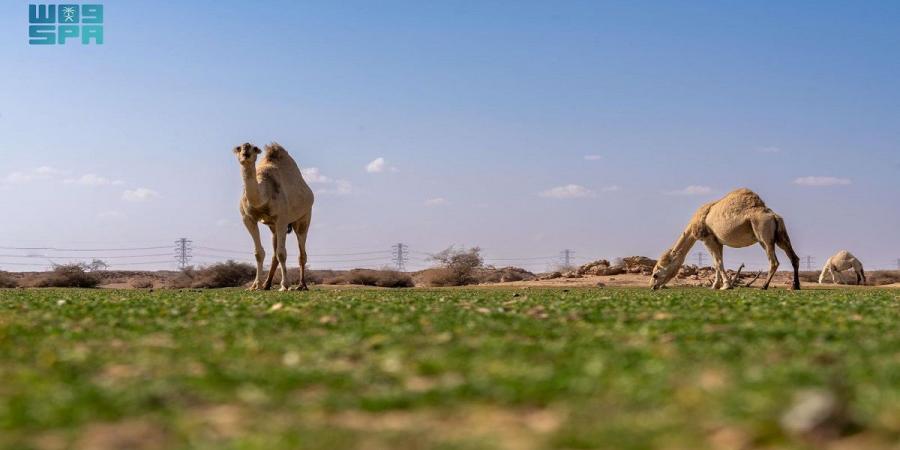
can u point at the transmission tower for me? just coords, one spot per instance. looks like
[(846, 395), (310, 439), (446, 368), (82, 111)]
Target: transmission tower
[(566, 256), (808, 263), (400, 255), (700, 259), (183, 252)]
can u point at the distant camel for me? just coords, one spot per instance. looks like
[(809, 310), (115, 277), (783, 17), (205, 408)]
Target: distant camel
[(841, 261), (739, 219), (276, 195)]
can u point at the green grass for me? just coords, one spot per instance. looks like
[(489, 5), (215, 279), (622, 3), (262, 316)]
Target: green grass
[(451, 368)]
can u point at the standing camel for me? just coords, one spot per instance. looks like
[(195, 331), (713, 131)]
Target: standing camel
[(839, 262), (737, 220), (276, 195)]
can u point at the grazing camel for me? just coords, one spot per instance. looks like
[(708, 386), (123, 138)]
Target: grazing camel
[(839, 262), (738, 219), (276, 195)]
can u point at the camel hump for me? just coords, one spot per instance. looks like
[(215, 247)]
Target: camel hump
[(275, 152), (743, 198), (697, 227)]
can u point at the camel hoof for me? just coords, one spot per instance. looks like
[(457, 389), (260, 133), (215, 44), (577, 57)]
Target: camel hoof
[(283, 289), (303, 287)]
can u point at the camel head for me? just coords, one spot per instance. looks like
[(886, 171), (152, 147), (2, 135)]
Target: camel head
[(665, 269), (246, 153)]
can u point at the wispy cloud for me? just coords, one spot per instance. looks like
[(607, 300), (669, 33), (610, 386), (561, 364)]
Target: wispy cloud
[(376, 166), (821, 181), (691, 190), (91, 179), (567, 191), (338, 187), (26, 176), (593, 157), (139, 195), (313, 175), (328, 185), (110, 215), (437, 201)]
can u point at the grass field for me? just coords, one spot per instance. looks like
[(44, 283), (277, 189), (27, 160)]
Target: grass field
[(449, 368)]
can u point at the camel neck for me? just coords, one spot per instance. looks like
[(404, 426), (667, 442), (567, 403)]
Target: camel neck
[(683, 246), (251, 186)]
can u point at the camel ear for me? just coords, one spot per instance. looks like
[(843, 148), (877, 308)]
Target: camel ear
[(236, 150), (256, 150)]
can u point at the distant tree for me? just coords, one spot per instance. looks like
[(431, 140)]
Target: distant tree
[(459, 265), (96, 265)]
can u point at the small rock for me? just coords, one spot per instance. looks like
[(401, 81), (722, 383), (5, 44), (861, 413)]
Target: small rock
[(601, 284)]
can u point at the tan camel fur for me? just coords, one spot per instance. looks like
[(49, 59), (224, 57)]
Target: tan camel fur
[(276, 195), (739, 219), (839, 262)]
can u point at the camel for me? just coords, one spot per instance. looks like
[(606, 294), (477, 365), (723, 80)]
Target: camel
[(276, 195), (841, 261), (739, 219)]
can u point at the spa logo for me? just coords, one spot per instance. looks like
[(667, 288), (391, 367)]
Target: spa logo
[(58, 24)]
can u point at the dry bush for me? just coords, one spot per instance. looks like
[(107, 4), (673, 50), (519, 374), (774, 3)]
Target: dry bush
[(458, 267), (7, 281), (882, 277), (184, 279), (491, 274), (141, 283), (220, 275), (70, 275), (368, 277)]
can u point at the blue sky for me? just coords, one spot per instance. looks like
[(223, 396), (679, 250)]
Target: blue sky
[(522, 127)]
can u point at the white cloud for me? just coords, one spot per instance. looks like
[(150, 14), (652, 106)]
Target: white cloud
[(314, 175), (691, 190), (338, 187), (567, 191), (437, 201), (110, 215), (613, 188), (593, 157), (40, 173), (139, 195), (821, 181), (91, 179), (376, 166)]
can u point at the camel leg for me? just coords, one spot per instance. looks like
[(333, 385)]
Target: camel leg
[(281, 253), (834, 279), (784, 241), (273, 266), (765, 230), (258, 252), (862, 273), (715, 249), (301, 229)]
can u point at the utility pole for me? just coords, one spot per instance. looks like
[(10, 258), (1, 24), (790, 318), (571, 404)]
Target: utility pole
[(809, 263), (567, 257), (183, 252), (699, 259), (400, 254), (898, 263)]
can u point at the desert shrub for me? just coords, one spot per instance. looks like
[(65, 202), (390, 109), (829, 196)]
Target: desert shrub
[(7, 281), (226, 274), (882, 277), (459, 266), (70, 275), (492, 274), (141, 283), (184, 279), (368, 277)]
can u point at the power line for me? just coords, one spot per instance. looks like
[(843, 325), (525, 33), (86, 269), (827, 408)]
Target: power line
[(400, 255), (59, 249), (86, 256), (183, 252), (809, 260), (567, 257)]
